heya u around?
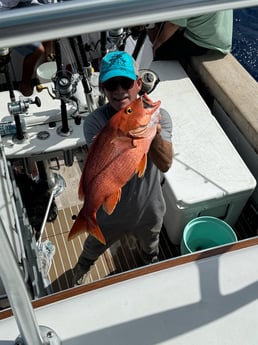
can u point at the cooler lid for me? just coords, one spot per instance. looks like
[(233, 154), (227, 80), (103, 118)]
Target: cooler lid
[(205, 165)]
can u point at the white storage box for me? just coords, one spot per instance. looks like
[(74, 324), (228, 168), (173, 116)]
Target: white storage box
[(207, 177)]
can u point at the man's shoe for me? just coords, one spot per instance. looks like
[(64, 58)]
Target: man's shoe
[(149, 259), (154, 259), (79, 273)]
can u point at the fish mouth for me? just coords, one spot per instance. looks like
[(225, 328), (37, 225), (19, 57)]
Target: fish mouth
[(152, 107), (153, 110), (149, 103)]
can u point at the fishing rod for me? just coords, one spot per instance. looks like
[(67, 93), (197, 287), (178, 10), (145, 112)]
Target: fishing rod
[(84, 69), (140, 34), (4, 68), (62, 86), (103, 42), (4, 60)]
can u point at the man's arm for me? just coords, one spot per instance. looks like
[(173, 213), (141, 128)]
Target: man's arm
[(161, 152), (167, 30)]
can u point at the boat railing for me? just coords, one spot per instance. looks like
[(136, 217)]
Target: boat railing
[(70, 18), (18, 228), (15, 287)]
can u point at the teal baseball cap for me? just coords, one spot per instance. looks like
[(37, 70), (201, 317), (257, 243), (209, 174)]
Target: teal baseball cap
[(117, 64)]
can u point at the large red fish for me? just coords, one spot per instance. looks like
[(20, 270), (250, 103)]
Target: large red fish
[(116, 154)]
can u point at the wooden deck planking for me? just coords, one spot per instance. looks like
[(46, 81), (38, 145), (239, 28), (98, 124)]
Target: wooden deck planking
[(122, 256), (67, 253)]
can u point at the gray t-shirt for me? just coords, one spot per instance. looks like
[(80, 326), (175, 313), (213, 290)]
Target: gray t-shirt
[(142, 199)]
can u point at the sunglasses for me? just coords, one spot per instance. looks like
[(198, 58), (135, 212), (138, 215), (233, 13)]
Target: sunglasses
[(112, 84)]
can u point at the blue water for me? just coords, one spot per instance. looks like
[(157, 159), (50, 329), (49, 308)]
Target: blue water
[(245, 39)]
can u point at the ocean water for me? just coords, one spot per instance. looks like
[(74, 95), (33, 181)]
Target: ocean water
[(245, 39)]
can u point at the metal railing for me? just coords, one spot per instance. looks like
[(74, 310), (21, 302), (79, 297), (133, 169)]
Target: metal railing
[(17, 293), (15, 287), (70, 18)]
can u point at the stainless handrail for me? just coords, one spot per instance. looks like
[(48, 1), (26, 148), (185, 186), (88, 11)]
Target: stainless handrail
[(13, 280), (70, 18), (17, 293), (30, 331)]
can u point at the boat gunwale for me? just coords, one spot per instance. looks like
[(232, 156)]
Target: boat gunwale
[(138, 272)]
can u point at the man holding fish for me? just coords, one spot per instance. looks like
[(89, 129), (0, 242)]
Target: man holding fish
[(129, 141)]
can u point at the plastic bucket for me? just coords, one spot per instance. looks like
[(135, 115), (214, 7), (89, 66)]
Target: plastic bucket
[(46, 71), (206, 232)]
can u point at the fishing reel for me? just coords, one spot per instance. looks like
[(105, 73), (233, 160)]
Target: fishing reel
[(21, 106), (150, 80), (116, 38), (65, 84)]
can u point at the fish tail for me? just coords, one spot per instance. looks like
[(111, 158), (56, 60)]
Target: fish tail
[(82, 225)]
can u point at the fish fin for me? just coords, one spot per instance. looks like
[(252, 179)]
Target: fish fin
[(82, 225), (111, 201), (142, 166), (80, 190)]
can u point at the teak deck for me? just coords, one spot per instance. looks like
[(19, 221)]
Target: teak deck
[(122, 256)]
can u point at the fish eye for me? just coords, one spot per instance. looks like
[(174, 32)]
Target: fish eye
[(129, 110)]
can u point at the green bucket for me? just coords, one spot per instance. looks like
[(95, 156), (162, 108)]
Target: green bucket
[(206, 232)]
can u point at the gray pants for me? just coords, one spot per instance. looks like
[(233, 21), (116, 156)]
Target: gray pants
[(147, 236)]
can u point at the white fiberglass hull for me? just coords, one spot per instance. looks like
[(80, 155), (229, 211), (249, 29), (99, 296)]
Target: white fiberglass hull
[(209, 301)]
